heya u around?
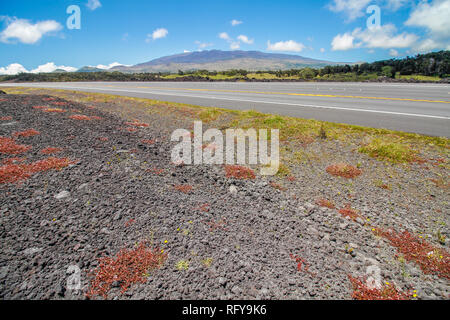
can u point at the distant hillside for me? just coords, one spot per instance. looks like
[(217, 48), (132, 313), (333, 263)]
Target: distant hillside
[(90, 69), (217, 60)]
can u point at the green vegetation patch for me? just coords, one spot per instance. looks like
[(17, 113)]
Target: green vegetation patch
[(389, 151)]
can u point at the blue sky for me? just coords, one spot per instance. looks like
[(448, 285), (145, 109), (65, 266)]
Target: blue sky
[(34, 33)]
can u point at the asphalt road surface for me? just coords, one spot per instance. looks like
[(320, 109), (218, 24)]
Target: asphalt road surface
[(418, 108)]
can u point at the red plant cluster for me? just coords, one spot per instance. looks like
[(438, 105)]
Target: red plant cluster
[(128, 267), (3, 100), (129, 223), (40, 107), (54, 110), (145, 141), (104, 139), (48, 99), (388, 292), (347, 211), (51, 150), (203, 208), (130, 129), (344, 170), (138, 124), (431, 260), (325, 203), (277, 186), (80, 117), (291, 178), (239, 172), (213, 225), (17, 172), (26, 133), (301, 263), (9, 146), (185, 188), (156, 171), (6, 118), (13, 161), (59, 103)]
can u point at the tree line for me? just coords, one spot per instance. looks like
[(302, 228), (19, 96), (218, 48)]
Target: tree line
[(432, 64)]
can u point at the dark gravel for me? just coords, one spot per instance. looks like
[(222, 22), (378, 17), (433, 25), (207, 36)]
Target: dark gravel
[(247, 235)]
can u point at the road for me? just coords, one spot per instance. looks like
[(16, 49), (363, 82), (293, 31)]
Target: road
[(417, 108)]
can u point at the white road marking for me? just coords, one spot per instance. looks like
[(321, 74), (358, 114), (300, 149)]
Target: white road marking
[(265, 102)]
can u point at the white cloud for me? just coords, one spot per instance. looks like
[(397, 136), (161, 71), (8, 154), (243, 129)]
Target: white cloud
[(428, 45), (393, 53), (17, 68), (434, 16), (235, 45), (394, 5), (93, 4), (109, 66), (224, 36), (203, 45), (245, 39), (343, 42), (380, 37), (50, 67), (157, 34), (235, 22), (289, 45), (186, 51), (352, 8), (385, 37), (322, 50), (13, 69), (26, 32)]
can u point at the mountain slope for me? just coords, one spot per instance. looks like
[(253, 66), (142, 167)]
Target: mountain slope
[(217, 60)]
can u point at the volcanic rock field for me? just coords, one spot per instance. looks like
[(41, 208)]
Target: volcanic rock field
[(83, 188)]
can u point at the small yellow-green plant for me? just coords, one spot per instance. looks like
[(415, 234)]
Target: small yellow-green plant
[(182, 265)]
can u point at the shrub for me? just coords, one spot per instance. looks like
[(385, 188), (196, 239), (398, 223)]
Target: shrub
[(344, 170), (239, 172), (128, 267)]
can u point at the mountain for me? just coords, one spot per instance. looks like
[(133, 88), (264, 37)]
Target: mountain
[(217, 60), (90, 69)]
